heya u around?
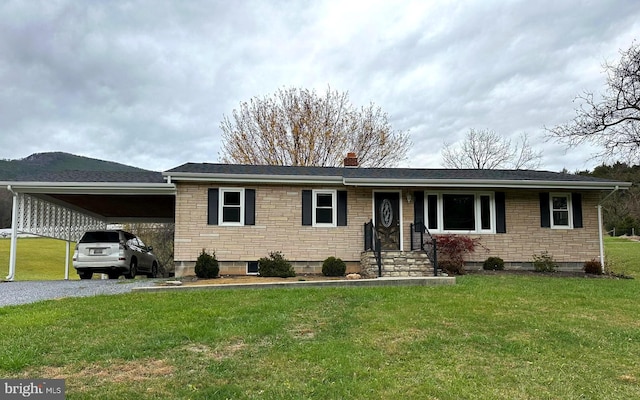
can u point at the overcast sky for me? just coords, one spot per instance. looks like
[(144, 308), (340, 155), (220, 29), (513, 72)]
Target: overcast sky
[(146, 83)]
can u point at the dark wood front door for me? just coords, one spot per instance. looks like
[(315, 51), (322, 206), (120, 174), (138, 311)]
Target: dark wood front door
[(387, 217)]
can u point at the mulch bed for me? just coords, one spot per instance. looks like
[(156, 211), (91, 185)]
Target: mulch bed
[(557, 274)]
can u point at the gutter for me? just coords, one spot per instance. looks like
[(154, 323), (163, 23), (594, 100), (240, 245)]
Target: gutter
[(485, 183), (92, 187)]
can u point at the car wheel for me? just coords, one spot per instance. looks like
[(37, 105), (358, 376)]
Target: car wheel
[(154, 271), (133, 270), (85, 275), (114, 275)]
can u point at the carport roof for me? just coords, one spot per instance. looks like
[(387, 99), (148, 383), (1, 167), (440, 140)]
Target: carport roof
[(92, 176), (128, 196)]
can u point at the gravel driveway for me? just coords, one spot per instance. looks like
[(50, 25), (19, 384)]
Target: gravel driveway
[(23, 292)]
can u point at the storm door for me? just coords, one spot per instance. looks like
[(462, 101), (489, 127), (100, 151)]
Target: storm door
[(387, 219)]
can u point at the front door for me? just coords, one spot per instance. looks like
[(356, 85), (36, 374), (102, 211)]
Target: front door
[(387, 217)]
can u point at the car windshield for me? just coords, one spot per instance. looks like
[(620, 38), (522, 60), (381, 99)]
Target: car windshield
[(101, 237)]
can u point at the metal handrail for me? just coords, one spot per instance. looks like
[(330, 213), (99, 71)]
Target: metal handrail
[(425, 242)]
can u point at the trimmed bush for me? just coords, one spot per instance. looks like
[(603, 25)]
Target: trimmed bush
[(544, 262), (207, 265), (493, 264), (275, 266), (593, 267), (333, 267)]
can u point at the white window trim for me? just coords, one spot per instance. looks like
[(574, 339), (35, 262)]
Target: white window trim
[(251, 273), (569, 210), (221, 205), (334, 208), (477, 212)]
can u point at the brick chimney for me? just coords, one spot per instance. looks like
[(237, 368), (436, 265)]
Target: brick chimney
[(351, 160)]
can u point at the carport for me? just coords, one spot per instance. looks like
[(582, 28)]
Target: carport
[(64, 205)]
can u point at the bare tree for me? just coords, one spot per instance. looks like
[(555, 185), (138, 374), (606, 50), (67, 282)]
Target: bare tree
[(485, 149), (299, 127), (613, 119)]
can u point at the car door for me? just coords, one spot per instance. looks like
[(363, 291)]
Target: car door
[(146, 259)]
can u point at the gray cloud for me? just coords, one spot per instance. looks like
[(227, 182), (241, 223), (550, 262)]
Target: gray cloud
[(147, 82)]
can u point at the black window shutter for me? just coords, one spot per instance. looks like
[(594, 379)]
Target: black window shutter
[(342, 208), (576, 203), (212, 207), (307, 203), (249, 206), (545, 213), (418, 210), (501, 213)]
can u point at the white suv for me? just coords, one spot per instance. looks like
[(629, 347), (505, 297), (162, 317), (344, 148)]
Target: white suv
[(113, 252)]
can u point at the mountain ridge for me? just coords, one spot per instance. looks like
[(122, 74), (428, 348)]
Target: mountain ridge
[(42, 163)]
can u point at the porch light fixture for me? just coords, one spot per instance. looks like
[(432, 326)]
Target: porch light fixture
[(408, 197)]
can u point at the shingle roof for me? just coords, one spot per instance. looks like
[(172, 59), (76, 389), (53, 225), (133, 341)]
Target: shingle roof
[(237, 169), (383, 174), (92, 176)]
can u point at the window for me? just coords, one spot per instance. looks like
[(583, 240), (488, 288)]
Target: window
[(231, 206), (432, 211), (460, 212), (324, 208), (252, 268), (560, 205)]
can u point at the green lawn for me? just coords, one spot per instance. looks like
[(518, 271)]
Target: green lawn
[(36, 259), (623, 255), (488, 337)]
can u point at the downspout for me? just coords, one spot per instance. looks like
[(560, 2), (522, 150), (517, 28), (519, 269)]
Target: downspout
[(14, 235), (600, 234)]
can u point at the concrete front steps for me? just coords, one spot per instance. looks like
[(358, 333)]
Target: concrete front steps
[(396, 264)]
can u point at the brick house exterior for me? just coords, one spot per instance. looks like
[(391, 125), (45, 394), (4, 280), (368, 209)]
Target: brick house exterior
[(243, 212)]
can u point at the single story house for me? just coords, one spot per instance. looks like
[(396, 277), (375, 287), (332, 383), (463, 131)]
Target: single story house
[(244, 212)]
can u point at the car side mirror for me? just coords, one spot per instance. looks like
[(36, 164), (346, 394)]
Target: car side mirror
[(149, 248)]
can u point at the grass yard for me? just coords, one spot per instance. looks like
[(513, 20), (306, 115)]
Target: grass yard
[(488, 337), (36, 259), (623, 255)]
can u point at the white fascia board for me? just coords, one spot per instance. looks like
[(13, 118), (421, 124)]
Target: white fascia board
[(251, 178), (128, 188), (487, 184)]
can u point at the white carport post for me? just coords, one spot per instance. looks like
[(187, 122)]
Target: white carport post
[(600, 238), (14, 236), (66, 261)]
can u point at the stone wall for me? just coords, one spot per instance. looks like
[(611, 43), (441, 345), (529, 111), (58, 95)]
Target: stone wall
[(525, 237), (278, 228), (396, 264)]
